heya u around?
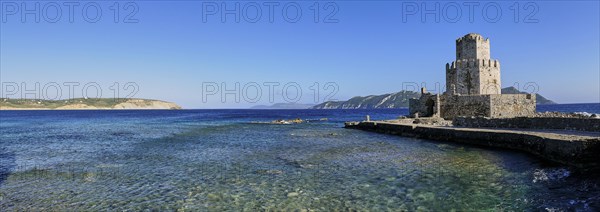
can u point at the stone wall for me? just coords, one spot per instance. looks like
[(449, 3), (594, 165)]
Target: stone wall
[(512, 105), (467, 77), (472, 46), (464, 105), (489, 77), (426, 106), (473, 72), (473, 76), (582, 124), (581, 153), (473, 87), (493, 106)]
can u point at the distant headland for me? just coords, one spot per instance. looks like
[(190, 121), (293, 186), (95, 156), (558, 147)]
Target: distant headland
[(86, 104), (399, 100)]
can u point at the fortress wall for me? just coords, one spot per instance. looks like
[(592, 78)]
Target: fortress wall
[(489, 77), (420, 105), (578, 151), (473, 86), (494, 105), (451, 77), (467, 75), (417, 106), (468, 105), (474, 76), (512, 105), (582, 124)]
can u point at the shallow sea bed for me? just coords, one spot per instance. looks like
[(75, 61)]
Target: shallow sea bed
[(218, 160)]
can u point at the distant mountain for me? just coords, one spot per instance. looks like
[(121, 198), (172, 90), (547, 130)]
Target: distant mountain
[(85, 104), (283, 106), (397, 100), (393, 100), (540, 100)]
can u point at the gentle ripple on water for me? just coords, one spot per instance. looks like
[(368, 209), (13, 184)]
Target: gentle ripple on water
[(218, 160)]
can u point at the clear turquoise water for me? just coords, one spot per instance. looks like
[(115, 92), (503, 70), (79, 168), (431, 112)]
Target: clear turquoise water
[(219, 160)]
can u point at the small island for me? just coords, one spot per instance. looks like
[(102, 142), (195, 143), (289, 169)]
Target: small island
[(474, 110), (86, 104)]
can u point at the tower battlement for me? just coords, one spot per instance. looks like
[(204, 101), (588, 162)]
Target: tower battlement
[(472, 46), (472, 37), (473, 72), (464, 63)]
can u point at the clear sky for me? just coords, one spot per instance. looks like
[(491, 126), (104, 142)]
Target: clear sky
[(181, 51)]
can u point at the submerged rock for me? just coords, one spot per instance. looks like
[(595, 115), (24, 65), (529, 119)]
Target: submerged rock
[(272, 172), (284, 121), (292, 194)]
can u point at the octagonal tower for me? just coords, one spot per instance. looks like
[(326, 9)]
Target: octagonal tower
[(473, 72)]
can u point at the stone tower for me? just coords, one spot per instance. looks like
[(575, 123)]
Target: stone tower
[(473, 72)]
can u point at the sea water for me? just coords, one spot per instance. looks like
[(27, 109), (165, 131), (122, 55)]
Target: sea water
[(227, 160)]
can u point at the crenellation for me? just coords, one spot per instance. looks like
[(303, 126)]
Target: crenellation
[(463, 63), (473, 73), (473, 86), (473, 99)]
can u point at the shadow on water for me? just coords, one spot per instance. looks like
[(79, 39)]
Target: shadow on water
[(7, 164)]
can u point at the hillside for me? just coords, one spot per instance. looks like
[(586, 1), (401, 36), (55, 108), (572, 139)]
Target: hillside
[(393, 100), (540, 100), (397, 100), (85, 104)]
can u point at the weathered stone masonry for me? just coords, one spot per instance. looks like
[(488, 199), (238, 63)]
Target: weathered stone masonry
[(582, 124), (472, 87), (473, 71)]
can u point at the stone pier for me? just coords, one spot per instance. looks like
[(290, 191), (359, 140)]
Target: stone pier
[(574, 148)]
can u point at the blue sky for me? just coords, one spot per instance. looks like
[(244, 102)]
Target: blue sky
[(171, 52)]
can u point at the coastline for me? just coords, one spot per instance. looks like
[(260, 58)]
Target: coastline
[(87, 104), (67, 109)]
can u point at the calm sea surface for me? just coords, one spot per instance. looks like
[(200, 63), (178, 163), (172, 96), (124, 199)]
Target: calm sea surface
[(220, 160)]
